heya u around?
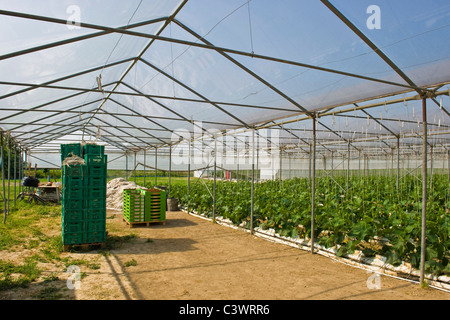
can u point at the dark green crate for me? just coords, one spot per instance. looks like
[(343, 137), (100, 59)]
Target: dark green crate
[(95, 182), (73, 226), (95, 214), (70, 149), (73, 215), (72, 193), (93, 149), (73, 204), (95, 204), (96, 237), (74, 237), (96, 225), (95, 193), (97, 171), (72, 182), (95, 160), (73, 170)]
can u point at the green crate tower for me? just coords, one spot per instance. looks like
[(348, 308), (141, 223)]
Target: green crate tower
[(72, 208), (133, 205), (84, 195), (155, 204), (95, 193)]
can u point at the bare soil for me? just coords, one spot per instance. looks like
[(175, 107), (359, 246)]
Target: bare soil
[(191, 258)]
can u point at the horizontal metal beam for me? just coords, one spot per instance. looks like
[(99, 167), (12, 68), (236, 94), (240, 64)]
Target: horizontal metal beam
[(77, 39)]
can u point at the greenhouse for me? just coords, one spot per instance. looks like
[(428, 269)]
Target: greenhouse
[(322, 124)]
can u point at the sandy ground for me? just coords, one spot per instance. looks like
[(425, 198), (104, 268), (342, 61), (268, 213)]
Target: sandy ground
[(191, 258)]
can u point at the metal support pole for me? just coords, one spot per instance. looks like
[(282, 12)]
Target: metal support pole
[(313, 183), (359, 163), (9, 168), (19, 170), (309, 168), (398, 163), (215, 177), (348, 165), (145, 153), (281, 164), (253, 183), (170, 169), (189, 174), (448, 165), (156, 167), (134, 167), (431, 167), (126, 165), (332, 163), (3, 179), (424, 191), (15, 177)]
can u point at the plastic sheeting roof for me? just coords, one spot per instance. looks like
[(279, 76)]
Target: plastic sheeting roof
[(228, 65)]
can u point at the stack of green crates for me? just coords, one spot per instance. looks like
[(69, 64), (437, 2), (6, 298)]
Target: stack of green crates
[(84, 196), (144, 205), (133, 205), (73, 210), (155, 204)]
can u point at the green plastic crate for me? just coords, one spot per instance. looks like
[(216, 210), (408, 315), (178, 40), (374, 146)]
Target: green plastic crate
[(97, 171), (96, 237), (95, 214), (72, 193), (96, 225), (95, 204), (73, 204), (93, 149), (73, 237), (73, 226), (72, 182), (70, 149), (95, 182), (95, 160), (73, 215), (74, 170), (95, 193)]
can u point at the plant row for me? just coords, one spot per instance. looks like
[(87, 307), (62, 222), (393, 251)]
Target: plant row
[(369, 214)]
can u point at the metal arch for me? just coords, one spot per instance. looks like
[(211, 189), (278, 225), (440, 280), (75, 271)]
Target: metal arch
[(132, 126), (166, 23), (76, 39), (73, 75), (193, 91), (55, 114), (86, 90)]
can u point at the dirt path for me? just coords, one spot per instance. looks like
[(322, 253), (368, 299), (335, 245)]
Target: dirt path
[(191, 258)]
